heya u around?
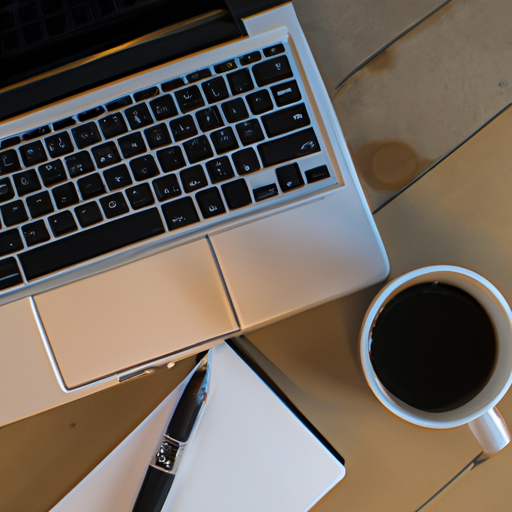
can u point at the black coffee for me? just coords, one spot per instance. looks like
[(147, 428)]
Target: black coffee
[(433, 346)]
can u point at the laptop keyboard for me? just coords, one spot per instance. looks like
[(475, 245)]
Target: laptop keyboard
[(164, 159)]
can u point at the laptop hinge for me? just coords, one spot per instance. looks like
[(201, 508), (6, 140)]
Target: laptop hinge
[(242, 9)]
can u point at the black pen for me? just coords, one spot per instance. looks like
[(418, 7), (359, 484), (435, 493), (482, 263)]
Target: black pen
[(162, 470)]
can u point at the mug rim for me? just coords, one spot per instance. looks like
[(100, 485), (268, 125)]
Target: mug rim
[(467, 412)]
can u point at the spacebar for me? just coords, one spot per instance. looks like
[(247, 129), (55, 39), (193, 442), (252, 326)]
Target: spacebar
[(91, 243)]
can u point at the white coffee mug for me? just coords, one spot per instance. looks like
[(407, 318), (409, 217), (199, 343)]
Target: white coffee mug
[(479, 412)]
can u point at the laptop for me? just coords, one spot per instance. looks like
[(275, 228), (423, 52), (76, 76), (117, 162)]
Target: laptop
[(171, 174)]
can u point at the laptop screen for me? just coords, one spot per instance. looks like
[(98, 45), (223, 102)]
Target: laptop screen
[(38, 36)]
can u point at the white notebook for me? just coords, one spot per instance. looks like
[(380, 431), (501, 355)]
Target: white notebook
[(249, 453)]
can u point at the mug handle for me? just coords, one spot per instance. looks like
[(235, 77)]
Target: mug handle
[(490, 431)]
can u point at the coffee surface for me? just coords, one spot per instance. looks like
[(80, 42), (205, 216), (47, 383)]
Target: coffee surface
[(433, 347)]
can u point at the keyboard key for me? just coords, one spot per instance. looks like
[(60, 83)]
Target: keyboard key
[(271, 71), (183, 128), (114, 205), (225, 66), (171, 159), (35, 233), (90, 114), (260, 102), (210, 203), (167, 187), (9, 273), (65, 195), (53, 172), (273, 50), (140, 196), (138, 116), (13, 213), (106, 155), (117, 177), (286, 93), (163, 107), (193, 178), (199, 75), (236, 194), (224, 140), (39, 204), (113, 125), (246, 161), (91, 243), (215, 89), (235, 110), (33, 153), (289, 147), (189, 98), (59, 144), (250, 58), (37, 132), (26, 182), (240, 81), (132, 144), (6, 190), (64, 123), (9, 161), (317, 174), (10, 241), (289, 177), (265, 192), (86, 135), (62, 223), (198, 149), (249, 132), (209, 119), (144, 167), (88, 214), (80, 163), (171, 85), (119, 103), (220, 169), (9, 142), (179, 213), (286, 120), (157, 136), (146, 94), (91, 186)]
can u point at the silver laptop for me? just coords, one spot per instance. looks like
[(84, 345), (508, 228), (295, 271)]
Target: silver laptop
[(171, 173)]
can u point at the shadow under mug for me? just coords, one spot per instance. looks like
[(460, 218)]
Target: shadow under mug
[(479, 412)]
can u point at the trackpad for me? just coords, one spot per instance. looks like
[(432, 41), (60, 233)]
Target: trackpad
[(136, 313), (284, 263)]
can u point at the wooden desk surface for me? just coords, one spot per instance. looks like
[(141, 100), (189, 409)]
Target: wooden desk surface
[(459, 213), (436, 87)]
